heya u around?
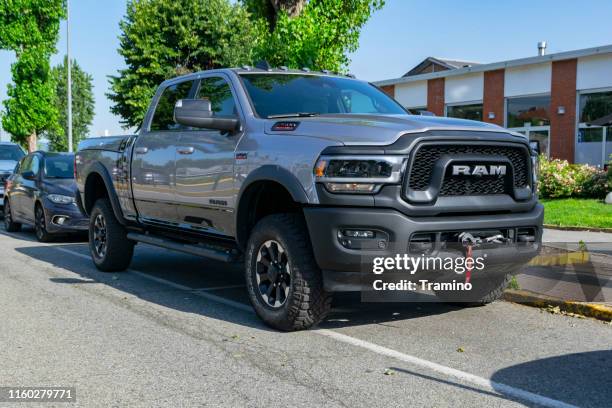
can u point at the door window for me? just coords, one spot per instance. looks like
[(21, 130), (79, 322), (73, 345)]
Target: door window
[(163, 118), (218, 91)]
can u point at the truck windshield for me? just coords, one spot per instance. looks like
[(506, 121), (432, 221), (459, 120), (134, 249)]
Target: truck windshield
[(281, 95), (9, 152), (59, 166)]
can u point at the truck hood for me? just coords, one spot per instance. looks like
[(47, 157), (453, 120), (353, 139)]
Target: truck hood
[(381, 130), (7, 166)]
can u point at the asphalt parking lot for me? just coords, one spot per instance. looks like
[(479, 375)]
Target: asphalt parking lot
[(177, 330)]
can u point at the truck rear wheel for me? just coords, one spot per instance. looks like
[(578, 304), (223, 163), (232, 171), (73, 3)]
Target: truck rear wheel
[(111, 250), (284, 283)]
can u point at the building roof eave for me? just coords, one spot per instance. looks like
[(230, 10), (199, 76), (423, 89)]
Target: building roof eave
[(560, 56)]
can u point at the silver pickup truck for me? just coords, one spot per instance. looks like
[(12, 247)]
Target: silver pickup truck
[(305, 176)]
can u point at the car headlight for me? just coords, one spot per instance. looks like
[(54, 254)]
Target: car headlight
[(535, 169), (61, 199), (358, 174)]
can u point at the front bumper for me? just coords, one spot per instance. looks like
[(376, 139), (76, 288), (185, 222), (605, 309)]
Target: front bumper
[(64, 218), (344, 268)]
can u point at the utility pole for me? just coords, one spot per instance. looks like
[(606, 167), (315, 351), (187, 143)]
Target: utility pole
[(69, 90)]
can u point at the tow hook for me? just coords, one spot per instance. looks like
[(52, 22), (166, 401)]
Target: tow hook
[(470, 242)]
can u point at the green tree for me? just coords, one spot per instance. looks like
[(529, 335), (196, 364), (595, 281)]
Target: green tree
[(82, 105), (318, 34), (161, 39), (30, 28)]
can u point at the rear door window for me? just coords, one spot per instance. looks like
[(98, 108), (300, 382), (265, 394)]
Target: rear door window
[(163, 118)]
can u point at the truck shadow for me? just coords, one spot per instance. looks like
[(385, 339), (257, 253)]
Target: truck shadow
[(579, 379), (193, 279)]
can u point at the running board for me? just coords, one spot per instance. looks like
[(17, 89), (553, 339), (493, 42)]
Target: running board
[(219, 254)]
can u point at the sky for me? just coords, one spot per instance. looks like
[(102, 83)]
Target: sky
[(394, 40)]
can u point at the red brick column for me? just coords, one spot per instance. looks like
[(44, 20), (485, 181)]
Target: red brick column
[(493, 98), (389, 90), (435, 96), (563, 93)]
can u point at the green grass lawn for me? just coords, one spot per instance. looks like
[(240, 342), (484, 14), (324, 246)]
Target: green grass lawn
[(575, 212)]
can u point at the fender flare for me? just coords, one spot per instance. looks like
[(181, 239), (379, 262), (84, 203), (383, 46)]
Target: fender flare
[(272, 173), (99, 169)]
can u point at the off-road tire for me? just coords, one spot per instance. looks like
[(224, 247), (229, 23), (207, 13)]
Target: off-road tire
[(9, 224), (307, 303), (40, 225), (119, 249)]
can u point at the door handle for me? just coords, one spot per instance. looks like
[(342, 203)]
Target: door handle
[(185, 150), (141, 150)]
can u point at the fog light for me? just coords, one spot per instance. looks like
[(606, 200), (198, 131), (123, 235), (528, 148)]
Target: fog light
[(359, 233), (60, 220)]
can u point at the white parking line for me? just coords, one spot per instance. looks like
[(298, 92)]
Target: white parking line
[(502, 389), (499, 388)]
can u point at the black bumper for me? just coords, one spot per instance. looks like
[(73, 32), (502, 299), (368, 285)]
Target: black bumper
[(343, 268), (73, 218)]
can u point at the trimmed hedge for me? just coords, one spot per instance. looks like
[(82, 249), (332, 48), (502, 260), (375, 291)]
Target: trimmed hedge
[(560, 179)]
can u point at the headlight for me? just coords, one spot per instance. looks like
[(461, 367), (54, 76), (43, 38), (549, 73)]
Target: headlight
[(535, 166), (358, 174), (60, 199)]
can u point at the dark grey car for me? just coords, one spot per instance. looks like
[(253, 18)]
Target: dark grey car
[(10, 154), (42, 193)]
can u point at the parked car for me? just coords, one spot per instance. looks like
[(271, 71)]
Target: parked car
[(305, 175), (42, 192), (10, 154)]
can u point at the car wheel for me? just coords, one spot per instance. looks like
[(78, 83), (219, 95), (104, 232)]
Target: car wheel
[(9, 224), (284, 283), (111, 250), (40, 225)]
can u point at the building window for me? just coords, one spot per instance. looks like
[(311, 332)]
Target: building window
[(593, 142), (594, 106), (528, 111), (473, 112)]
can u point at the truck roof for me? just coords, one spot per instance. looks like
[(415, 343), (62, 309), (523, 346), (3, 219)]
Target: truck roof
[(247, 69)]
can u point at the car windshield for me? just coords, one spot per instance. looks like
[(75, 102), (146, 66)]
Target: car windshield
[(9, 152), (59, 166), (285, 95)]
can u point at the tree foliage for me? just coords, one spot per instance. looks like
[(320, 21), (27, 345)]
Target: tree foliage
[(82, 105), (30, 28), (161, 39), (318, 34)]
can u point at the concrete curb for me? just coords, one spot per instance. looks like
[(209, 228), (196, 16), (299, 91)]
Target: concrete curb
[(587, 229), (595, 310)]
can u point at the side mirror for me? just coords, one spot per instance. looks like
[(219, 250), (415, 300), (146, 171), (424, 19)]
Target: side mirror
[(198, 113), (535, 146), (28, 175)]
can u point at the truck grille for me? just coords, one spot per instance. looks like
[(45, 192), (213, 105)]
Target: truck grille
[(427, 156)]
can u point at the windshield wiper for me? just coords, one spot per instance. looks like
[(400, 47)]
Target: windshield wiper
[(294, 115)]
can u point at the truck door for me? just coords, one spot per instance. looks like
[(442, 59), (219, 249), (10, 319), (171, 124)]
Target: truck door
[(205, 164), (154, 159)]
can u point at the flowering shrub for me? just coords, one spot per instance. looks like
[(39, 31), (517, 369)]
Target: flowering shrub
[(559, 179)]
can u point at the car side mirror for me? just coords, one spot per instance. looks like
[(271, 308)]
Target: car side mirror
[(198, 113), (535, 146), (28, 175)]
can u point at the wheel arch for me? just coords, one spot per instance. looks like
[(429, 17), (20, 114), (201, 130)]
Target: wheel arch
[(267, 190), (98, 184)]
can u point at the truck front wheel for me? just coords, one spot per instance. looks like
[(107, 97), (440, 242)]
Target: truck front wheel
[(109, 246), (284, 283)]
